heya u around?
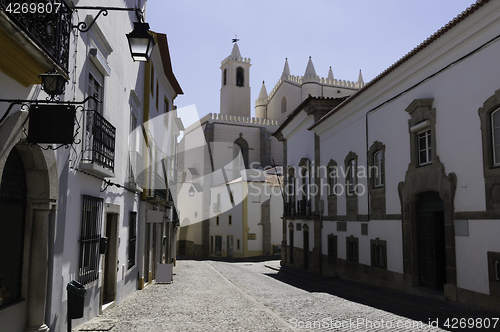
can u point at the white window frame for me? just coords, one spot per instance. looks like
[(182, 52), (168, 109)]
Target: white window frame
[(351, 176), (494, 144), (378, 164), (428, 147)]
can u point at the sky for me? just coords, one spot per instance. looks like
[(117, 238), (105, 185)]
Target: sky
[(347, 35)]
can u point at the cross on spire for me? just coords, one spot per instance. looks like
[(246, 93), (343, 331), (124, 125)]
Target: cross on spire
[(235, 39)]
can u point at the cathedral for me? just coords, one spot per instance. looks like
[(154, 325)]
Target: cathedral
[(210, 148)]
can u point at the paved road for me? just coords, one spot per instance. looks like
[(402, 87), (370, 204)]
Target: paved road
[(248, 296)]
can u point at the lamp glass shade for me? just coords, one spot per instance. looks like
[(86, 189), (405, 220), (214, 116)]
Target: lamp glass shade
[(141, 42), (53, 83)]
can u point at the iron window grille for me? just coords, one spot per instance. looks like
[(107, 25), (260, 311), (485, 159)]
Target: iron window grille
[(92, 216), (132, 238), (99, 142)]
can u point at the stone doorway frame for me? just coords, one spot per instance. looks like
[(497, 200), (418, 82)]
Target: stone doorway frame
[(419, 180), (42, 191)]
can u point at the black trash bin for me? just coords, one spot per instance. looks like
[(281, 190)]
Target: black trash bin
[(76, 299)]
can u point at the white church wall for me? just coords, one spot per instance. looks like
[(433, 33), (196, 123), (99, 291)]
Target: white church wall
[(292, 93)]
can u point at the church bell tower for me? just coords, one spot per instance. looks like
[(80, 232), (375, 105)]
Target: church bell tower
[(235, 84)]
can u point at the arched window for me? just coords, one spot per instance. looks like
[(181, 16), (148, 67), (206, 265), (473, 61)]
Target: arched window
[(240, 77), (224, 77), (241, 145), (283, 105)]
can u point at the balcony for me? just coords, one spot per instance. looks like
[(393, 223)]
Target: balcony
[(303, 208), (39, 31), (98, 145)]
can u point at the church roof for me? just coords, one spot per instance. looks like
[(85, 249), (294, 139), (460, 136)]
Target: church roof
[(236, 51), (286, 69), (360, 78), (310, 68), (330, 74), (263, 92)]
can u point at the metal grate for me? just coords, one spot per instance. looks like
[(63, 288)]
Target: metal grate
[(92, 215), (99, 141)]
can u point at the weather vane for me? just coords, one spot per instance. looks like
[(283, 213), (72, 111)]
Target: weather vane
[(235, 39)]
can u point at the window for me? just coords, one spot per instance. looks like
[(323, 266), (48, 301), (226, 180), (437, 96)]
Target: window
[(152, 87), (290, 193), (422, 126), (352, 248), (332, 248), (92, 215), (351, 176), (132, 237), (212, 245), (376, 181), (217, 204), (166, 108), (157, 94), (304, 205), (96, 89), (283, 105), (238, 244), (495, 136), (230, 220), (240, 78), (231, 197), (224, 77), (424, 148), (378, 250), (217, 221), (332, 177), (378, 169)]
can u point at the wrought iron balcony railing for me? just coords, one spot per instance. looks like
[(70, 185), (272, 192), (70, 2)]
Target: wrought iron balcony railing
[(99, 141), (303, 208), (46, 22)]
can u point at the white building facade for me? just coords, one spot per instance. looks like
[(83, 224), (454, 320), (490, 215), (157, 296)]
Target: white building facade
[(76, 210), (406, 172)]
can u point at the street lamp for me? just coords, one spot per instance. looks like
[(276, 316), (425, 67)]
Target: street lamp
[(191, 191), (53, 83), (141, 42)]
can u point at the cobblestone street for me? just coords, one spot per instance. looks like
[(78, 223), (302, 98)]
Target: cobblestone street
[(253, 296)]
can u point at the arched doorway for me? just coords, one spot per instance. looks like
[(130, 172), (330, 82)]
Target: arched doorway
[(32, 204), (305, 232), (12, 225), (431, 241), (290, 235)]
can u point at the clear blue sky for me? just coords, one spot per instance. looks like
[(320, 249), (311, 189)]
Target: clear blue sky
[(347, 35)]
